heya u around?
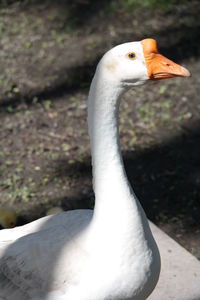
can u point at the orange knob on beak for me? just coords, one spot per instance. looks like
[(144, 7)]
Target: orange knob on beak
[(158, 66)]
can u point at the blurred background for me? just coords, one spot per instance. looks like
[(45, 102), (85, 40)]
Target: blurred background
[(48, 54)]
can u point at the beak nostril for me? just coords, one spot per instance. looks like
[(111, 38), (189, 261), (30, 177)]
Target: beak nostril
[(166, 64)]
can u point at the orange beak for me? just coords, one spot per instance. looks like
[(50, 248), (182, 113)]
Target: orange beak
[(158, 66)]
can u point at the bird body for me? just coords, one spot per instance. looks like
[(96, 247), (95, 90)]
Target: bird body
[(89, 257), (108, 253)]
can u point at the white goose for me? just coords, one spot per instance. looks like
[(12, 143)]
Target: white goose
[(108, 254)]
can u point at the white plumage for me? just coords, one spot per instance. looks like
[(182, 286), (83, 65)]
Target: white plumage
[(108, 254)]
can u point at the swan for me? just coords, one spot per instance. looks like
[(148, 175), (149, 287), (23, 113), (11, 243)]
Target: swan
[(108, 253)]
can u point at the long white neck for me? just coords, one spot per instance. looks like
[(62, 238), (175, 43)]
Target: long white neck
[(119, 228), (118, 237), (113, 194)]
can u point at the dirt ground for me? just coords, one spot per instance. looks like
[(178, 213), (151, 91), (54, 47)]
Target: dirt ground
[(48, 55)]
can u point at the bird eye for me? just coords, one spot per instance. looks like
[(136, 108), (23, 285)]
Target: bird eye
[(132, 55)]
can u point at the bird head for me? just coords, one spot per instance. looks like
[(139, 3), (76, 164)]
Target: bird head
[(135, 62)]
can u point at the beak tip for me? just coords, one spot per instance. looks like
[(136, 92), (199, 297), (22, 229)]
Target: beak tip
[(185, 72)]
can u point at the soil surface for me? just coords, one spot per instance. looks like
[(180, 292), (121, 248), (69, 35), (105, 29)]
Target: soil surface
[(48, 56)]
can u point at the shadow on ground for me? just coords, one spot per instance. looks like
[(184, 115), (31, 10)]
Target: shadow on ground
[(90, 26), (166, 178)]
